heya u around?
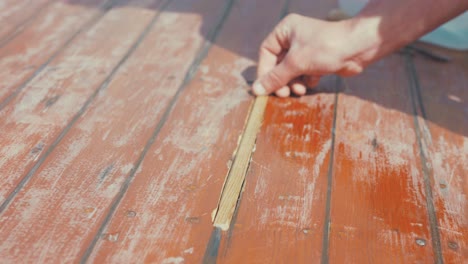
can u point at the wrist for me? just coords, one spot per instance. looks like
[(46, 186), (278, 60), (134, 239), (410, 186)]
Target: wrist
[(363, 43)]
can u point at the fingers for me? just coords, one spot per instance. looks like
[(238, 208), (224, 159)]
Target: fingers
[(274, 72), (276, 78), (283, 92), (274, 47), (298, 86)]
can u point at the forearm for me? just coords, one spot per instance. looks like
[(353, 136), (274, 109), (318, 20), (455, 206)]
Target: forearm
[(383, 25)]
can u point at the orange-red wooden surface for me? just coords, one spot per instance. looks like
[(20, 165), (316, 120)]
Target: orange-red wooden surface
[(443, 125), (120, 119)]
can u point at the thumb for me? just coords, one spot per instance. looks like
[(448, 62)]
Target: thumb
[(278, 77)]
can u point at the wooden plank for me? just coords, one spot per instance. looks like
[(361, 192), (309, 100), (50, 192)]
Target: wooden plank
[(26, 54), (443, 126), (378, 201), (32, 122), (179, 182), (14, 14), (281, 213), (75, 187)]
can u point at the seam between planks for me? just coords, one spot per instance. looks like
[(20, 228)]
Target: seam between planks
[(234, 182), (104, 8), (416, 100), (188, 77), (212, 248), (23, 24), (235, 179), (75, 118), (326, 224)]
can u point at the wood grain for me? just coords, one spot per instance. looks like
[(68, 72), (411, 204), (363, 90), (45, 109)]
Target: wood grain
[(14, 15), (85, 173), (30, 50), (378, 200), (117, 148), (36, 117), (443, 123), (281, 211), (179, 182), (235, 179)]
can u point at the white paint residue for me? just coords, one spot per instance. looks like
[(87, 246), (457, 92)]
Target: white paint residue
[(192, 139), (261, 186), (189, 250), (126, 168), (173, 260), (389, 237), (205, 69), (11, 150), (298, 154), (321, 157), (448, 158)]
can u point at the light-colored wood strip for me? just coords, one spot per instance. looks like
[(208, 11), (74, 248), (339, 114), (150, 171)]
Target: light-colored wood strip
[(27, 53), (180, 179), (235, 179), (281, 212)]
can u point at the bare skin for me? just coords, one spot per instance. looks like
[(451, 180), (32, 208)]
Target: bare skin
[(300, 49)]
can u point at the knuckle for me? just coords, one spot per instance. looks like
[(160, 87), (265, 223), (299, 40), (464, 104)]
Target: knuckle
[(287, 24), (293, 17)]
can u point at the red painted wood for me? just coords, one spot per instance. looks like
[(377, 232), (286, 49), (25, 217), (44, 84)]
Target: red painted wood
[(179, 183), (41, 111), (445, 137), (281, 213), (22, 56), (15, 13), (70, 194), (282, 210), (378, 203)]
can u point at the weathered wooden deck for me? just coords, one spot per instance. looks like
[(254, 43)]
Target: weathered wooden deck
[(120, 120)]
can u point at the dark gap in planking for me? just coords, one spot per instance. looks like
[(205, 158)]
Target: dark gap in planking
[(417, 104), (48, 102), (104, 173), (234, 216), (326, 224), (201, 54), (212, 248), (75, 118), (23, 24), (104, 8)]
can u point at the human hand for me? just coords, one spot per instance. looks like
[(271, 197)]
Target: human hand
[(299, 51)]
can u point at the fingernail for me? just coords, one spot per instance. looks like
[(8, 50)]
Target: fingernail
[(258, 89)]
